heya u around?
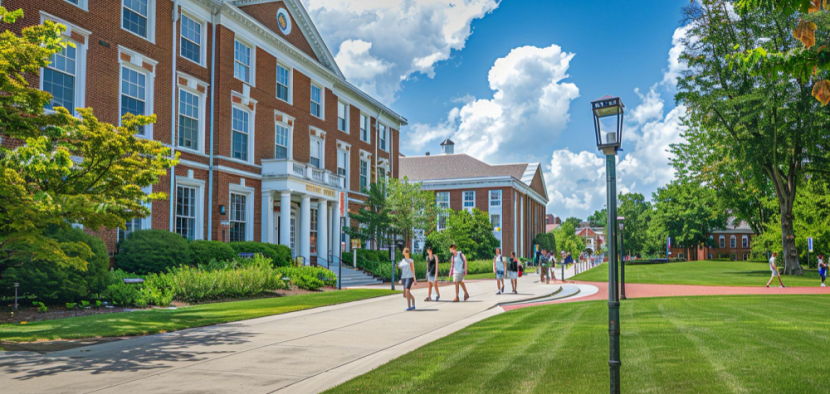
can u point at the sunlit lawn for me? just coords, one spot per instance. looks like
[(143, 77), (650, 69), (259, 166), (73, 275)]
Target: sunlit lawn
[(735, 344), (712, 273), (165, 320)]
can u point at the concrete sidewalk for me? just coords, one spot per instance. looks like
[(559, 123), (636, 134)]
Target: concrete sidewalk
[(300, 352)]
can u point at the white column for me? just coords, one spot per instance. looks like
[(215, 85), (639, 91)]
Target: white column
[(285, 219), (305, 229), (267, 217), (322, 231), (335, 229)]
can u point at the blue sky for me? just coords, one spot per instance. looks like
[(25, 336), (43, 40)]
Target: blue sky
[(511, 81)]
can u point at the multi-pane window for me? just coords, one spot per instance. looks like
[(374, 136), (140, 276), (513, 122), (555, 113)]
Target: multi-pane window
[(133, 93), (495, 221), (282, 83), (495, 198), (313, 236), (469, 199), (745, 242), (186, 212), (59, 79), (131, 225), (238, 217), (364, 128), (733, 242), (241, 62), (722, 242), (342, 159), (443, 201), (191, 39), (364, 175), (239, 143), (316, 152), (382, 130), (316, 102), (342, 116), (134, 17), (188, 120), (281, 138)]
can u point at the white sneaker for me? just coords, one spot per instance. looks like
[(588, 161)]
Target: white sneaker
[(823, 285)]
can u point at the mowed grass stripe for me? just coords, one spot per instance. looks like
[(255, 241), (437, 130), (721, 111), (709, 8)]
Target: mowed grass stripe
[(669, 345)]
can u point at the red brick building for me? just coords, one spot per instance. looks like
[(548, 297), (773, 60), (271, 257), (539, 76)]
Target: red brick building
[(275, 144), (514, 195), (734, 243)]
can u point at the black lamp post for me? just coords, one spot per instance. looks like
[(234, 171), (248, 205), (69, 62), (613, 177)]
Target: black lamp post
[(621, 219), (608, 125)]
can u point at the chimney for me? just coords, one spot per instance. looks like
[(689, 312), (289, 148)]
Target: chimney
[(427, 153), (448, 147)]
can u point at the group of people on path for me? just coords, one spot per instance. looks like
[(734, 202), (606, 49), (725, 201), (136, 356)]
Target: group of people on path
[(511, 270), (458, 271), (823, 270)]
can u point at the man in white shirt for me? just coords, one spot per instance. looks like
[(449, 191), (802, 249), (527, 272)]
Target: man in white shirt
[(774, 270)]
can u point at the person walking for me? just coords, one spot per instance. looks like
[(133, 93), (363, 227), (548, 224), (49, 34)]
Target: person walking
[(774, 270), (432, 275), (513, 271), (407, 267), (498, 269), (822, 269), (553, 266), (458, 270), (544, 271)]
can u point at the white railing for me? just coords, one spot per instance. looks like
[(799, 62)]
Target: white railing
[(286, 167)]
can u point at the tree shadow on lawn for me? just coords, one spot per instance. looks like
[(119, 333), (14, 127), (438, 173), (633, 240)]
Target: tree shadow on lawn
[(153, 352)]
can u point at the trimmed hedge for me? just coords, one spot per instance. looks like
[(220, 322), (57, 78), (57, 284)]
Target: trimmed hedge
[(152, 251), (205, 251), (280, 255)]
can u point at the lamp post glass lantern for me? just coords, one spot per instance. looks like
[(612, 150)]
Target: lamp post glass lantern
[(608, 126)]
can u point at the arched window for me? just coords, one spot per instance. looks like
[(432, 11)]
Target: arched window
[(733, 242)]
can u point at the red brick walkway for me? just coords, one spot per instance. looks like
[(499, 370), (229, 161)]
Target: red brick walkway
[(639, 290)]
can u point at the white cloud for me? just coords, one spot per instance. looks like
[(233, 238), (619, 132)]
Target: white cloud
[(529, 97), (407, 37), (576, 181)]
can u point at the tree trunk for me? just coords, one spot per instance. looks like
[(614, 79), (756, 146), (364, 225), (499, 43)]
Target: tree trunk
[(791, 265)]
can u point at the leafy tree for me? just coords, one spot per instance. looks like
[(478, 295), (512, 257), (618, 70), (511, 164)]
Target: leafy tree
[(546, 241), (636, 211), (373, 218), (745, 124), (411, 208), (599, 218), (471, 232), (70, 170), (573, 221), (567, 240), (686, 212)]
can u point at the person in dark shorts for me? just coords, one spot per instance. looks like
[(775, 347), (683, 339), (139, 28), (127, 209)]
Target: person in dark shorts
[(432, 275), (513, 271), (407, 267)]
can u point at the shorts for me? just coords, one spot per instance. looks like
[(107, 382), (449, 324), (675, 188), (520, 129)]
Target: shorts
[(775, 273), (512, 275), (822, 272), (458, 277), (431, 278), (499, 275), (407, 283)]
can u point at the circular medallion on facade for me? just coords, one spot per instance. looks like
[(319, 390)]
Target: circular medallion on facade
[(284, 21)]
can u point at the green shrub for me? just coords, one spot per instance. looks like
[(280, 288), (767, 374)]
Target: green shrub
[(123, 294), (52, 283), (205, 251), (152, 251), (280, 255), (309, 278)]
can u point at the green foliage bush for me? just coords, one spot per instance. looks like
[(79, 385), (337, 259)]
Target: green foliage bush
[(280, 255), (309, 278), (53, 283), (205, 251), (123, 294), (152, 251), (546, 241), (471, 232)]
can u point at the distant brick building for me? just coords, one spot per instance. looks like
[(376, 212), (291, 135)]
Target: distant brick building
[(734, 243), (514, 195), (276, 146)]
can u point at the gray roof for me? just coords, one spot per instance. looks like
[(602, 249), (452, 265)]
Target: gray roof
[(460, 166)]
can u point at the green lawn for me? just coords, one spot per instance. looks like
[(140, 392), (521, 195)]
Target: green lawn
[(164, 320), (712, 273), (735, 344)]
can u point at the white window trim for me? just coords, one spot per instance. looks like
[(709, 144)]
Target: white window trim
[(368, 174), (199, 185), (345, 148), (731, 240), (80, 61), (290, 127), (249, 207), (290, 83), (744, 238), (385, 134), (203, 35), (202, 103), (464, 200), (347, 108), (368, 128), (490, 198), (322, 100), (146, 222), (251, 117), (722, 242), (136, 65), (252, 66), (322, 141), (151, 21), (82, 4), (445, 215)]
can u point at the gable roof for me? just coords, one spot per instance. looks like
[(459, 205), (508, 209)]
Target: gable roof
[(463, 166), (306, 25)]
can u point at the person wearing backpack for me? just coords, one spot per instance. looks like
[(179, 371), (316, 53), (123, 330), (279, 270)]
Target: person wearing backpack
[(513, 267), (458, 270), (498, 269)]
